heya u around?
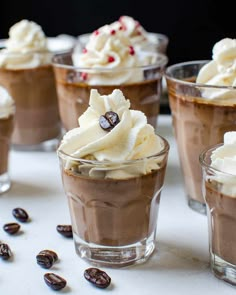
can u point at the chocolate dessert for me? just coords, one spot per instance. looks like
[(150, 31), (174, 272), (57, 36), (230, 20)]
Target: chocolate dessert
[(6, 128)]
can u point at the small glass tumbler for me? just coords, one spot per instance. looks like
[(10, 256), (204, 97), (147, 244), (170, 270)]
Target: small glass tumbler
[(219, 191), (113, 219), (198, 122), (6, 129), (73, 87)]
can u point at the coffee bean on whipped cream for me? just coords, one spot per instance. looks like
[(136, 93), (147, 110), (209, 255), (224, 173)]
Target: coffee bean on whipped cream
[(11, 228), (5, 251), (65, 230), (109, 120), (20, 214)]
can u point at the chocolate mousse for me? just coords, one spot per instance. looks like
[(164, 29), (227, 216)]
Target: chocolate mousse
[(130, 206), (222, 211), (6, 128)]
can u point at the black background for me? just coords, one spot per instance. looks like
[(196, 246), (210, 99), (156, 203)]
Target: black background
[(193, 27)]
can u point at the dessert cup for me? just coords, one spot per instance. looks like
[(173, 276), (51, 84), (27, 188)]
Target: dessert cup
[(198, 122), (113, 220), (73, 91), (6, 129), (221, 206), (37, 121)]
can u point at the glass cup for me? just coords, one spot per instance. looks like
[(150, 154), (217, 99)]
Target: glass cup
[(37, 120), (219, 192), (158, 42), (74, 91), (198, 122), (6, 129), (113, 220)]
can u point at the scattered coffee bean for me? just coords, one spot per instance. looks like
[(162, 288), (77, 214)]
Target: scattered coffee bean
[(50, 252), (5, 251), (97, 277), (54, 281), (20, 214), (45, 260), (65, 230), (109, 120), (11, 228)]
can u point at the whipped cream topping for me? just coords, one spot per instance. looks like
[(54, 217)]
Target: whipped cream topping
[(110, 48), (224, 160), (26, 47), (132, 138), (221, 71), (7, 104)]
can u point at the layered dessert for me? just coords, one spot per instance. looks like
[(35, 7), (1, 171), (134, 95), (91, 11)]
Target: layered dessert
[(220, 194), (203, 106), (108, 61), (113, 169), (7, 111), (26, 72)]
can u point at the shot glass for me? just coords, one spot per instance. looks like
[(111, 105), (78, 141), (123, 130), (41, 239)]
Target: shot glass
[(6, 129), (198, 122), (73, 89), (219, 193), (37, 120), (113, 220)]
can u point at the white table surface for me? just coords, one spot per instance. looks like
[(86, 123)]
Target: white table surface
[(179, 266)]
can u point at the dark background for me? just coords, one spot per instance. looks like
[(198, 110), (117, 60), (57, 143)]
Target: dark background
[(193, 27)]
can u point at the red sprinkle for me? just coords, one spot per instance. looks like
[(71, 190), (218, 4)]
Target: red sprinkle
[(84, 76), (137, 24), (131, 50), (84, 50), (113, 32), (96, 32), (111, 58)]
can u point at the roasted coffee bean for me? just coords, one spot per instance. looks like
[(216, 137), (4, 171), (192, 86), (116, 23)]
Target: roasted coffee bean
[(97, 277), (5, 251), (65, 230), (45, 260), (11, 228), (109, 120), (20, 214), (51, 253), (54, 281)]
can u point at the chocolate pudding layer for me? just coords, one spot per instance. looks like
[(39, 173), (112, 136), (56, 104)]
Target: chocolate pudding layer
[(222, 211), (37, 117), (197, 124), (6, 128), (113, 212), (73, 96)]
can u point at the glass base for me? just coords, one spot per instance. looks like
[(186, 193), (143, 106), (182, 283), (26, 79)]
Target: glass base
[(197, 206), (5, 183), (47, 146), (223, 270), (115, 257)]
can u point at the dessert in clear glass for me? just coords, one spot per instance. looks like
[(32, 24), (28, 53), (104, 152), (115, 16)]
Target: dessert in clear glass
[(218, 164), (202, 100), (113, 169)]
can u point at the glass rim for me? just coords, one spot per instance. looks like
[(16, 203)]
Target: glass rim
[(161, 63), (168, 76), (202, 159), (62, 155)]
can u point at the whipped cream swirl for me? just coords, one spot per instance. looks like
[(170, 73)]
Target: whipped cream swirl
[(7, 104), (132, 138), (26, 47), (221, 71), (224, 160)]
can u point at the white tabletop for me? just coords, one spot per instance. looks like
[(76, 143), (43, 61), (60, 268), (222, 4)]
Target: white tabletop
[(179, 266)]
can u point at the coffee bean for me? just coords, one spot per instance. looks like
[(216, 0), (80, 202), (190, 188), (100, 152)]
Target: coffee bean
[(97, 277), (51, 253), (20, 214), (109, 120), (65, 230), (11, 228), (5, 251), (54, 281), (45, 260)]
